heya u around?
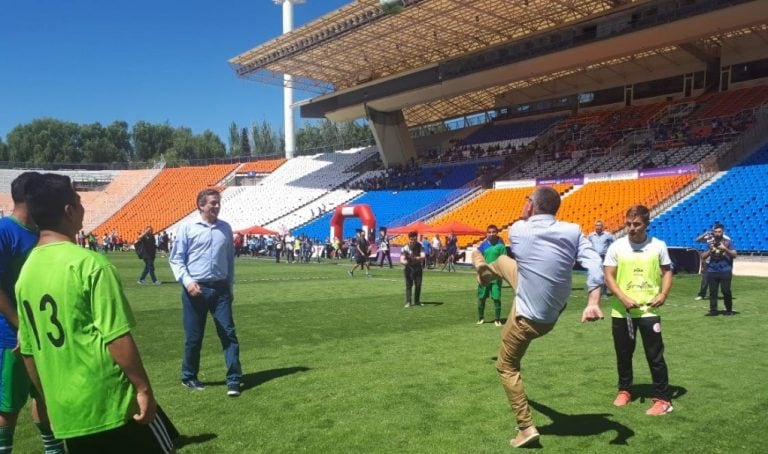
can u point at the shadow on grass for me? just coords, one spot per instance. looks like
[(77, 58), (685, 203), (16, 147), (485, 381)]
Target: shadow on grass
[(647, 391), (582, 425), (184, 440), (255, 379), (431, 303)]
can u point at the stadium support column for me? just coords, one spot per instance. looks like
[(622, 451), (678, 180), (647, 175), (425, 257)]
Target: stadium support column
[(391, 135), (290, 125)]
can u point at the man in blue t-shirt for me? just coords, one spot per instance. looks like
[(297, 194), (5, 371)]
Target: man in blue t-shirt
[(719, 259), (18, 235)]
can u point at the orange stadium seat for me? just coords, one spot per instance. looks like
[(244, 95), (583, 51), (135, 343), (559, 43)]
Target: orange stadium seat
[(609, 200), (265, 166), (168, 198), (495, 206)]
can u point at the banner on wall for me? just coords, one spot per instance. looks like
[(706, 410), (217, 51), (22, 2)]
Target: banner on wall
[(578, 179), (611, 176), (669, 171)]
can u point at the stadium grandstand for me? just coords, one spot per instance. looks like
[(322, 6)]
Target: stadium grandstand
[(473, 104)]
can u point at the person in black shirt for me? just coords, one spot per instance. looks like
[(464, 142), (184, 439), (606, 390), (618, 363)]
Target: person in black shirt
[(146, 249), (412, 257), (361, 254)]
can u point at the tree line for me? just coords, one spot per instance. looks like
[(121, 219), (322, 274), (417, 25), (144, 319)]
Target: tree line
[(49, 140)]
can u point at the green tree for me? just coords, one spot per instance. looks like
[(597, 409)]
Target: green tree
[(119, 135), (209, 145), (266, 141), (96, 146), (327, 135), (245, 143), (45, 141), (234, 140), (3, 150), (184, 145), (150, 141)]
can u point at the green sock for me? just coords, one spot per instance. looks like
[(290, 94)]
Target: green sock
[(497, 309), (6, 439), (51, 444), (480, 309)]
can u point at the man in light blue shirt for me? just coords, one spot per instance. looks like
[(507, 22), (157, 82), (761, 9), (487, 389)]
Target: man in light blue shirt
[(544, 251), (600, 240), (203, 261)]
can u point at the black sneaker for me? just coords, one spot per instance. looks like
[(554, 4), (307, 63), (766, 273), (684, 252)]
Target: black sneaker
[(193, 383), (233, 389), (712, 314)]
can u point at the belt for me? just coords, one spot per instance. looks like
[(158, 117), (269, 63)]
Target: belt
[(214, 283)]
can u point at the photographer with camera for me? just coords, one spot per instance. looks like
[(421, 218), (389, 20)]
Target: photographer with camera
[(719, 266), (706, 237)]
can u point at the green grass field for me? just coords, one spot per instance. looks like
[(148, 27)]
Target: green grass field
[(336, 364)]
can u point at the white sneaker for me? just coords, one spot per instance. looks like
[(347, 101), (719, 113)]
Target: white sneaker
[(698, 298), (480, 322)]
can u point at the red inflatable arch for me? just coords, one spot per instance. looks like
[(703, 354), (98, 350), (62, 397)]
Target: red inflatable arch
[(361, 211)]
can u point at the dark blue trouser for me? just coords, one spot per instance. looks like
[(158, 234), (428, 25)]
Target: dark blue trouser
[(149, 268), (216, 299)]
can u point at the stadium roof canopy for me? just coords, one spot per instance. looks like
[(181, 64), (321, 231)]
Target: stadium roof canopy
[(359, 44)]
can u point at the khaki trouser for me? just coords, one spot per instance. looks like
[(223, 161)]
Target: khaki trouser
[(517, 334)]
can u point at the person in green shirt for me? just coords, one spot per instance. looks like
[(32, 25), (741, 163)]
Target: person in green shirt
[(75, 335), (18, 235), (492, 248)]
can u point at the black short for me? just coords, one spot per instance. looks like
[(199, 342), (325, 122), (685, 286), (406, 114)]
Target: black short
[(155, 437), (361, 258)]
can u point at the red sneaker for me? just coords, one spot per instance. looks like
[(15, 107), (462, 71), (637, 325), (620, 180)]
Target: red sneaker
[(623, 398), (659, 407)]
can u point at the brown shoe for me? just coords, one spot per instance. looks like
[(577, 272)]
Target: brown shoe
[(524, 437)]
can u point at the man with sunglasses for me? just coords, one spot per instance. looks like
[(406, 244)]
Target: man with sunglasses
[(544, 251)]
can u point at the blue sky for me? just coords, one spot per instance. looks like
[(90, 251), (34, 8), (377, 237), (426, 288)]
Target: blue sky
[(162, 60)]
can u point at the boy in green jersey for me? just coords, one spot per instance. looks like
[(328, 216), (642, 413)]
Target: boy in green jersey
[(491, 248), (74, 334)]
